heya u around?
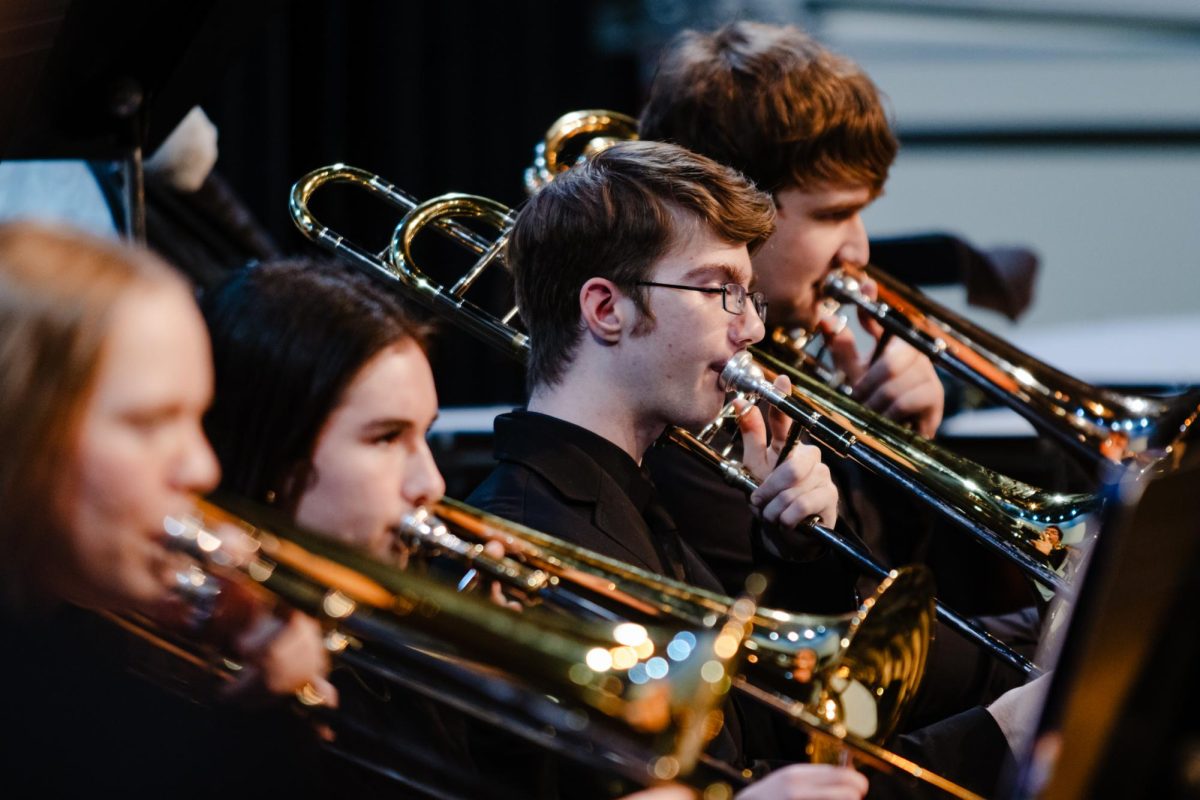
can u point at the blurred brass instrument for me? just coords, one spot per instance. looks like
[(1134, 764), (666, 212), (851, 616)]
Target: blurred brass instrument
[(596, 129), (857, 670), (612, 707), (897, 674)]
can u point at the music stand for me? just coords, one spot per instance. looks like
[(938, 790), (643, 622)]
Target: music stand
[(109, 80), (1119, 718)]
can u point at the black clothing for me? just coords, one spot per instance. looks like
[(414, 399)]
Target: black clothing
[(77, 722), (571, 483), (959, 676)]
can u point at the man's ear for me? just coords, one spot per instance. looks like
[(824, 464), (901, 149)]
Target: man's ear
[(601, 310)]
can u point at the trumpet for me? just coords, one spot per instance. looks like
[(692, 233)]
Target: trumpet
[(609, 709)]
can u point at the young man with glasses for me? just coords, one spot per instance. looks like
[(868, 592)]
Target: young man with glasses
[(633, 275)]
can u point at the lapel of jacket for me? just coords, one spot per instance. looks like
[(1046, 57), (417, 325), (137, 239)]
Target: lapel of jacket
[(580, 479)]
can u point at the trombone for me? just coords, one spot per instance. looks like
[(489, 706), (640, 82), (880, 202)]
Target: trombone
[(857, 670), (1098, 424), (584, 690), (1042, 532)]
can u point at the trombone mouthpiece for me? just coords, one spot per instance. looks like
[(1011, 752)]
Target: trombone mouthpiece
[(741, 374)]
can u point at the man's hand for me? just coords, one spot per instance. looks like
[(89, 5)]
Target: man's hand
[(808, 782), (795, 489), (898, 381)]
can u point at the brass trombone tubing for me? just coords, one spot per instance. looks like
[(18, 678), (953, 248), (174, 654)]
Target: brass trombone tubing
[(548, 550), (392, 621), (780, 642), (499, 334), (1098, 424), (1008, 516), (740, 478), (421, 288)]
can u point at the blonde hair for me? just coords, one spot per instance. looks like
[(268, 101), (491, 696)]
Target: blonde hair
[(58, 288)]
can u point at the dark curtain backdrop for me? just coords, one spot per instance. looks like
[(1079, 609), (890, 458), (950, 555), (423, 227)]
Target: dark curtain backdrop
[(434, 96)]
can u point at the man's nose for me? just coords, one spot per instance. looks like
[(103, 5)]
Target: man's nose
[(750, 328), (855, 248)]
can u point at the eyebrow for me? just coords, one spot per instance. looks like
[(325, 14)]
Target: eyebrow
[(388, 424), (711, 271)]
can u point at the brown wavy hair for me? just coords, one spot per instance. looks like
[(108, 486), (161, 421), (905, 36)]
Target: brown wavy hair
[(773, 103)]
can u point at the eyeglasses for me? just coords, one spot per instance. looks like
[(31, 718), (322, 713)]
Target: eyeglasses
[(733, 296)]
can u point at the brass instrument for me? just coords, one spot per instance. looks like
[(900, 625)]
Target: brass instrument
[(1096, 423), (857, 670), (598, 128), (611, 706), (1043, 533)]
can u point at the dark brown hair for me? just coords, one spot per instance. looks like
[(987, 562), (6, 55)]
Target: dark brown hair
[(288, 339), (613, 217), (773, 103), (58, 289)]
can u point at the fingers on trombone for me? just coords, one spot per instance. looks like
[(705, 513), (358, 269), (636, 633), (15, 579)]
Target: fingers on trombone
[(808, 782), (842, 347), (284, 656), (754, 442), (871, 290), (799, 488), (779, 422), (496, 593), (898, 363)]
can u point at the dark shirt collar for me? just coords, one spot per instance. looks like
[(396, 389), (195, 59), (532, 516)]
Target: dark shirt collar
[(629, 476)]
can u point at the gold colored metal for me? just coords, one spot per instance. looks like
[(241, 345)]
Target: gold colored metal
[(855, 673), (1098, 424), (598, 128), (1044, 533), (868, 663), (596, 672)]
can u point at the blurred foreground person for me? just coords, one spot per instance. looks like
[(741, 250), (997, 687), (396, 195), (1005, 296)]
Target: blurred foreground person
[(104, 374)]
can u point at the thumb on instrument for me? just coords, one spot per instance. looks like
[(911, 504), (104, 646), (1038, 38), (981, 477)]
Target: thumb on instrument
[(842, 348), (755, 451), (870, 289), (779, 422)]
